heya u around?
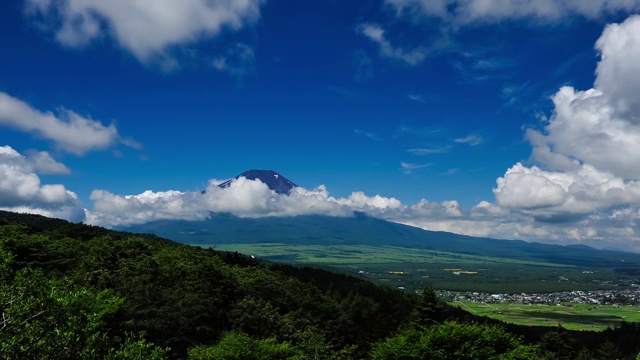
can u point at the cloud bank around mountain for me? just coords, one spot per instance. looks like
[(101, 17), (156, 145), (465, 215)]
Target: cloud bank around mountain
[(243, 198)]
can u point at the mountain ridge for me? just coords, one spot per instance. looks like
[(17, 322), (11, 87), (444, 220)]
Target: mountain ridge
[(224, 228)]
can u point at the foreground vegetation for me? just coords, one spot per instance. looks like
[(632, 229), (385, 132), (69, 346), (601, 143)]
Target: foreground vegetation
[(75, 291)]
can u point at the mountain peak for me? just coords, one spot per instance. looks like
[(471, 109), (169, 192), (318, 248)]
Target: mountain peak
[(272, 179)]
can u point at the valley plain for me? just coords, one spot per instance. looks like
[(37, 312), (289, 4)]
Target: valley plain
[(411, 269)]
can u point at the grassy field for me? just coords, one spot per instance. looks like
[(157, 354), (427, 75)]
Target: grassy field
[(577, 317), (363, 254)]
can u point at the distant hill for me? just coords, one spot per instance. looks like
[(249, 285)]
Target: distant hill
[(365, 230), (272, 179)]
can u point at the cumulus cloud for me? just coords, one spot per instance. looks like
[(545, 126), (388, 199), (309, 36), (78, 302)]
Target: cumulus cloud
[(591, 143), (550, 196), (146, 30), (586, 187), (376, 33), (22, 191), (476, 11), (618, 72), (69, 131)]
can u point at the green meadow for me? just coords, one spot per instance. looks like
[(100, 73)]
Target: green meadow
[(413, 268), (362, 254), (575, 317)]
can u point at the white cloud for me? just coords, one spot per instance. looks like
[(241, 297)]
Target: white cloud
[(591, 143), (43, 163), (553, 196), (22, 191), (359, 201), (476, 11), (618, 72), (376, 34), (600, 126), (145, 29), (432, 210), (69, 131)]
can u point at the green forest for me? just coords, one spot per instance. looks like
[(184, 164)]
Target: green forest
[(73, 291)]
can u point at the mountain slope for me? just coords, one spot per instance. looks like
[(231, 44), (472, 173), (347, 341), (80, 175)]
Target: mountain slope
[(365, 230)]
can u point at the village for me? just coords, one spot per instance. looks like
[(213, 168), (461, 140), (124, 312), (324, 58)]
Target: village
[(594, 297)]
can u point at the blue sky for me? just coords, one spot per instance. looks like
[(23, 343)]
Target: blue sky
[(482, 117)]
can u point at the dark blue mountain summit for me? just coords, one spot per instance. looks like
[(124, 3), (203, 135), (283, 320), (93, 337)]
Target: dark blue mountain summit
[(272, 179)]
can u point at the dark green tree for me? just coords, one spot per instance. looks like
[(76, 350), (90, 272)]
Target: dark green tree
[(452, 340), (556, 345), (609, 351), (430, 309), (240, 346)]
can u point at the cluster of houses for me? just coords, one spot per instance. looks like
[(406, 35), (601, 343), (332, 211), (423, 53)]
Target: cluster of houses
[(595, 297)]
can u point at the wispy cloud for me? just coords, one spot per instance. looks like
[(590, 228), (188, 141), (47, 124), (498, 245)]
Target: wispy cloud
[(239, 61), (452, 171), (430, 151), (364, 66), (420, 132), (345, 93), (417, 98), (471, 139), (376, 33), (371, 136), (465, 12), (409, 168)]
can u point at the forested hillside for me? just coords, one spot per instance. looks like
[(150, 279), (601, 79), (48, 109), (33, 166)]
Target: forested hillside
[(75, 291)]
